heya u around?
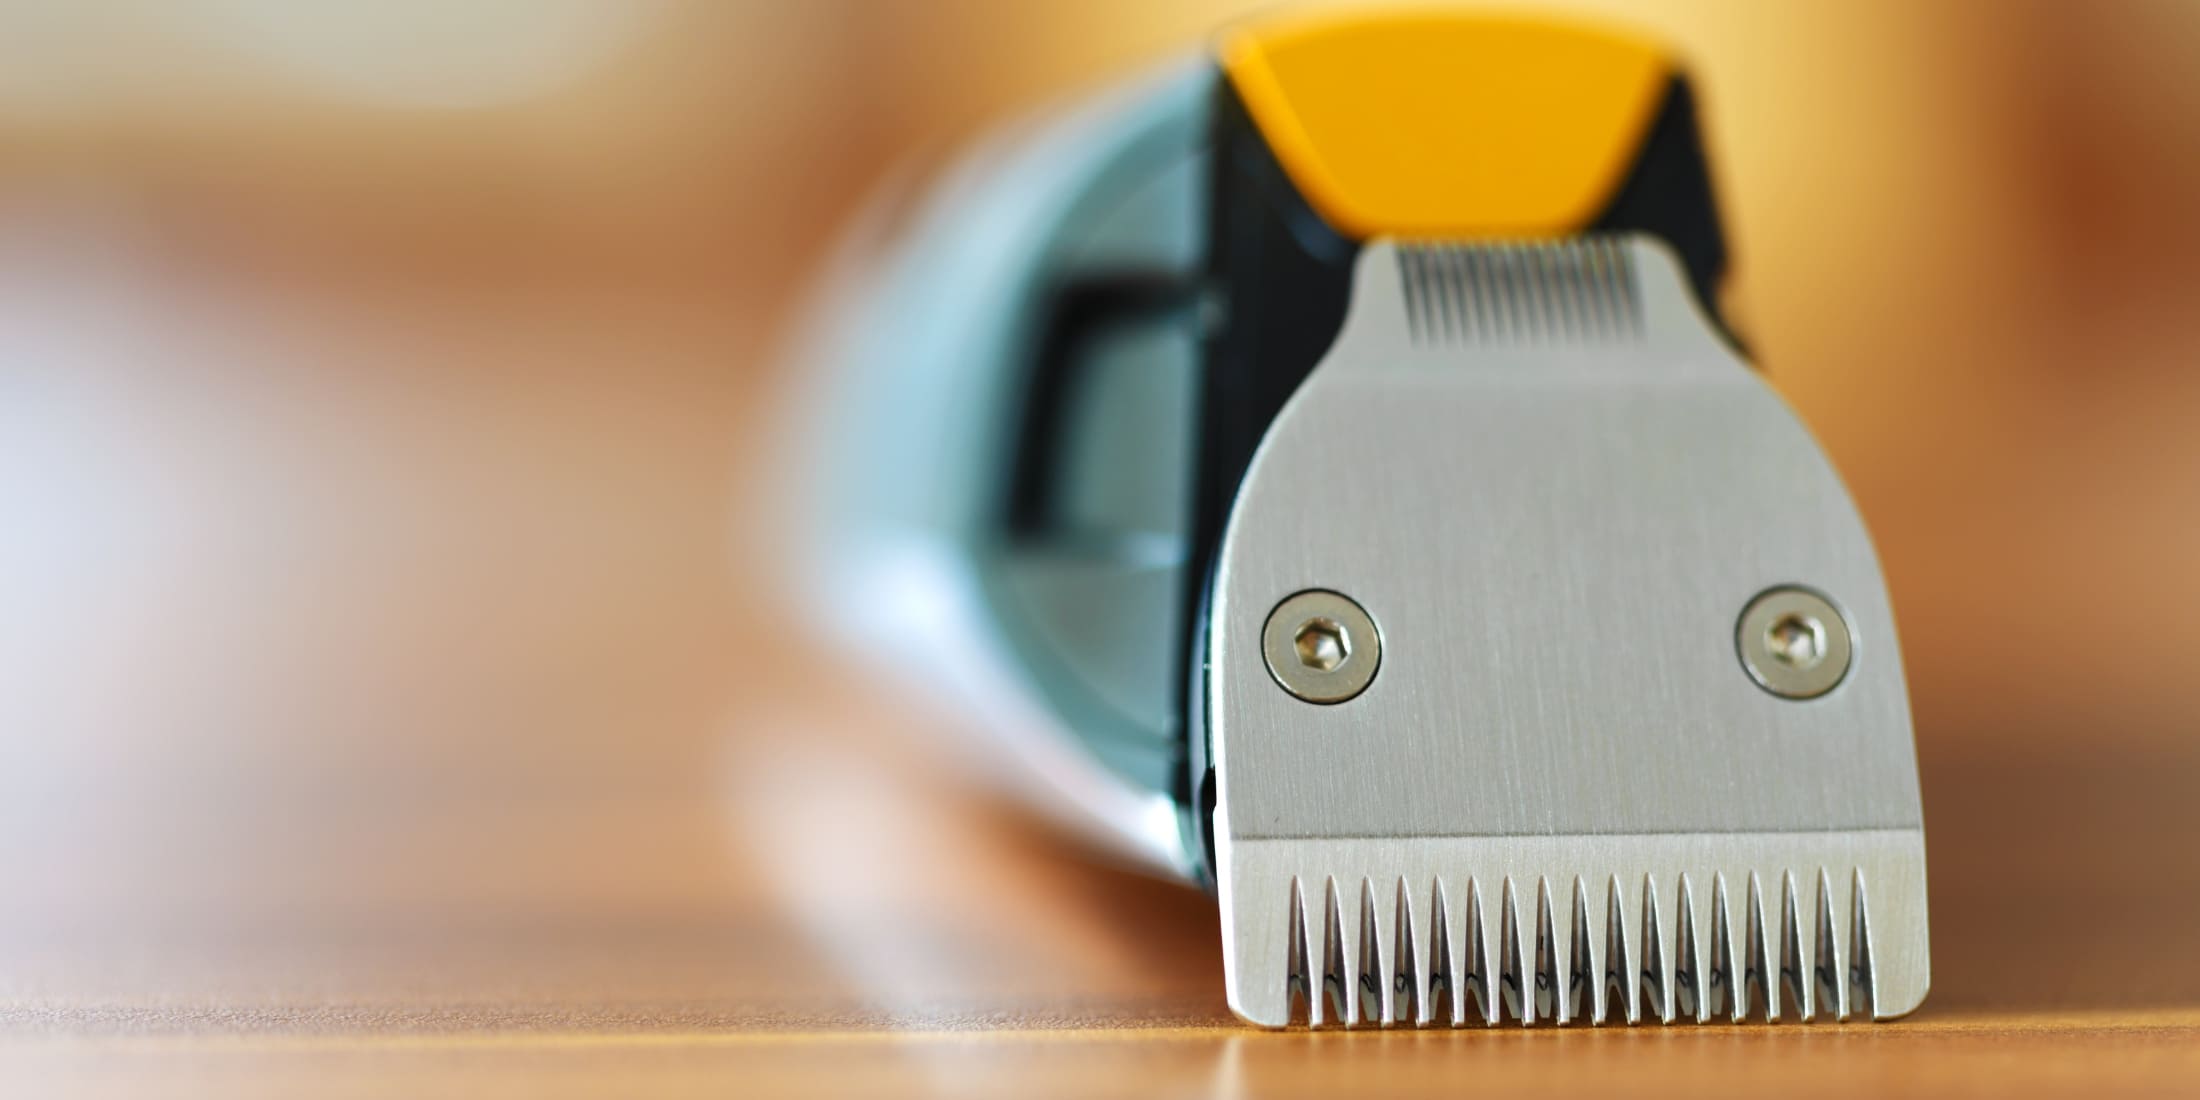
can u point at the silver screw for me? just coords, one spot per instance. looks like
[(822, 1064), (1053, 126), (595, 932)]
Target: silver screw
[(1797, 641), (1321, 647), (1794, 643)]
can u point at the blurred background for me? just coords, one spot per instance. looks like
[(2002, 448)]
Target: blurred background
[(385, 392)]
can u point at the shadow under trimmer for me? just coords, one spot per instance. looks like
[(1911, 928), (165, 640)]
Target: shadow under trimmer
[(1325, 467)]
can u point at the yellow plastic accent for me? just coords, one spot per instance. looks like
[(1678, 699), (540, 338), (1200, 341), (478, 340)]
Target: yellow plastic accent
[(1430, 124)]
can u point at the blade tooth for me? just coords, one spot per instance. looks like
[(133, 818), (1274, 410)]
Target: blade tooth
[(1539, 295), (1406, 1005), (1469, 269), (1598, 299), (1495, 313), (1760, 987), (1794, 980), (1413, 277), (1550, 969), (1584, 999), (1298, 968), (1339, 953), (1653, 982), (1374, 984), (1863, 981), (1445, 1004), (1482, 954), (1450, 295), (1325, 922), (1520, 293), (1562, 272), (1687, 986), (1504, 304), (1607, 303), (1523, 293), (1318, 1012), (1619, 968), (1538, 274), (1723, 994), (1466, 945), (1629, 300), (1511, 991), (1828, 987), (1441, 294)]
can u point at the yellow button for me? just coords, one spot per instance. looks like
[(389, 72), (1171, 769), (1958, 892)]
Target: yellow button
[(1428, 124)]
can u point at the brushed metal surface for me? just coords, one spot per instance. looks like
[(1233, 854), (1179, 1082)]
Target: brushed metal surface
[(1557, 525)]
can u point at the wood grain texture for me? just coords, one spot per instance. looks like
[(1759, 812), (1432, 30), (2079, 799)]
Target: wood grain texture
[(831, 915)]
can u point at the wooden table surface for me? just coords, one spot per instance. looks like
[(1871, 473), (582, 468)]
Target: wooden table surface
[(396, 698), (824, 911)]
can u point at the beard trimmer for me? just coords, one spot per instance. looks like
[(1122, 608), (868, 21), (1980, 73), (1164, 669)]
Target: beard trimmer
[(1325, 468)]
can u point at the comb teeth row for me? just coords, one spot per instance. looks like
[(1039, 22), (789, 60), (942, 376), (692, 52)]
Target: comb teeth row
[(1572, 292), (1454, 952)]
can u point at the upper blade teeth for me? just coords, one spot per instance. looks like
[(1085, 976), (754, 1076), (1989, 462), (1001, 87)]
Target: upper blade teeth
[(1766, 942)]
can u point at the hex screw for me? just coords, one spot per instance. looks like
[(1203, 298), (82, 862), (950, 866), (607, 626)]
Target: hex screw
[(1321, 646), (1794, 642)]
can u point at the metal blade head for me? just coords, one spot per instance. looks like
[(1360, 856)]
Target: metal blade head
[(1636, 657)]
